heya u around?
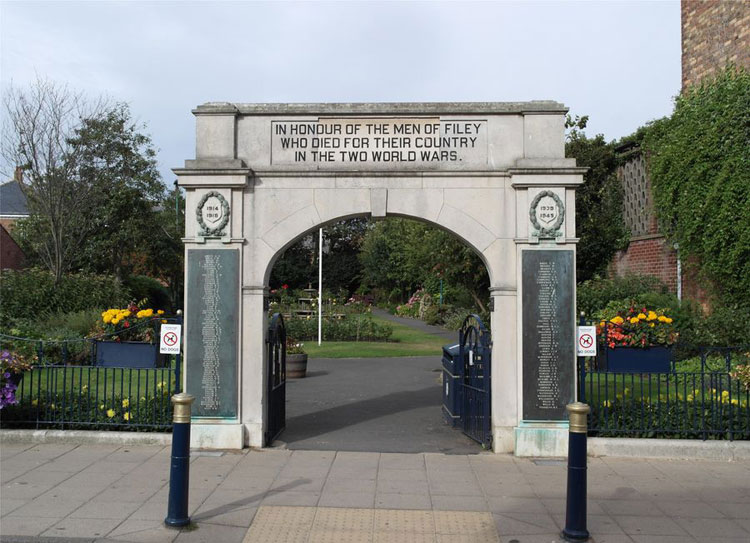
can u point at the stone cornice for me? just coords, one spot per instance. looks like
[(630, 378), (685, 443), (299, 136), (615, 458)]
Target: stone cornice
[(384, 108)]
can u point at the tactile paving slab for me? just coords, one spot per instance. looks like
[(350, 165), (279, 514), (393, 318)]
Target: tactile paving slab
[(284, 524)]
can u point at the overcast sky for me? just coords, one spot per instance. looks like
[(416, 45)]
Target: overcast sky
[(618, 62)]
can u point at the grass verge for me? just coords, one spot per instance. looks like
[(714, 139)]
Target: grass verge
[(406, 342)]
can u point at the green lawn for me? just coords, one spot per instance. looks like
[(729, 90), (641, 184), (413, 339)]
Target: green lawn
[(406, 342), (107, 381)]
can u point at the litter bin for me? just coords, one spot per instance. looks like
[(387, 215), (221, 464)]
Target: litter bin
[(452, 371)]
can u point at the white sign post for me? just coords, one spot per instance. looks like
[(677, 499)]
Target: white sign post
[(170, 339), (586, 341)]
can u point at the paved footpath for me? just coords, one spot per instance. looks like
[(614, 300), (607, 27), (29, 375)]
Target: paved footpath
[(119, 493)]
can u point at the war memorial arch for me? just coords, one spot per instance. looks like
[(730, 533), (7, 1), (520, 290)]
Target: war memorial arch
[(493, 174)]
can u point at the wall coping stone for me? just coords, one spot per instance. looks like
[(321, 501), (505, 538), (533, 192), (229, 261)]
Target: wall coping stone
[(375, 108)]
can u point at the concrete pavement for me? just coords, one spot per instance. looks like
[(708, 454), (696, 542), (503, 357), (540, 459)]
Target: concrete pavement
[(119, 493), (371, 404)]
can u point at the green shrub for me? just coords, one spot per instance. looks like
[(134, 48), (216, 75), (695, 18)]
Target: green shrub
[(351, 328), (28, 293), (595, 294), (142, 287)]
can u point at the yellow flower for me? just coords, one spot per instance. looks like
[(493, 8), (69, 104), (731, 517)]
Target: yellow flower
[(101, 407), (107, 319), (626, 391), (602, 324), (160, 312), (164, 321), (110, 413), (161, 385), (725, 394), (668, 320), (115, 321), (641, 316), (735, 401), (52, 406), (149, 312), (651, 325), (634, 320), (126, 403), (651, 315), (607, 403), (690, 397), (126, 416), (662, 318), (617, 320), (140, 314), (126, 313)]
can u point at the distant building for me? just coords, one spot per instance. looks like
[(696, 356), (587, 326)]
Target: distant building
[(714, 33), (12, 207), (12, 202), (11, 255)]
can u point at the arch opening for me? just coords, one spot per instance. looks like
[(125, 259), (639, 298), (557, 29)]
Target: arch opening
[(375, 385)]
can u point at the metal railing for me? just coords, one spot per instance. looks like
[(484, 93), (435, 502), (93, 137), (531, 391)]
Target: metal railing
[(68, 392), (706, 403)]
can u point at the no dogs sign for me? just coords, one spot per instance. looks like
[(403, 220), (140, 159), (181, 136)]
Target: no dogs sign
[(586, 341), (170, 339)]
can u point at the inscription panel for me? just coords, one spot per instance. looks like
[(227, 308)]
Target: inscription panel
[(211, 335), (548, 333), (379, 143)]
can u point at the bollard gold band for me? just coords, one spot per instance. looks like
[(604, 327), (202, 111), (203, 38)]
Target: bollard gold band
[(578, 413), (182, 403)]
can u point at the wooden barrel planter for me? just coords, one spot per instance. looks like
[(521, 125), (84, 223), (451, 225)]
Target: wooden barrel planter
[(296, 366)]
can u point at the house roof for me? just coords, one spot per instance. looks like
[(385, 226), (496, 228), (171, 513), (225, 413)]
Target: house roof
[(12, 200)]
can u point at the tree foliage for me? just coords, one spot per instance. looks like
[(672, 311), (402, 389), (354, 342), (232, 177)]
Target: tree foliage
[(699, 165), (298, 266), (599, 223), (118, 161), (400, 255)]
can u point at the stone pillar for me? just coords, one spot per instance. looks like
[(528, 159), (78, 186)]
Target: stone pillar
[(253, 374), (504, 367)]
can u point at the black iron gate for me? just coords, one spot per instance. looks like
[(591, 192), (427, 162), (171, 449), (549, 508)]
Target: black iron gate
[(475, 345), (276, 378)]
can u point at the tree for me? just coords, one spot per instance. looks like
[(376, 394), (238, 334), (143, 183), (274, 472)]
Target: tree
[(39, 124), (699, 165), (298, 266), (401, 255), (118, 161), (599, 224)]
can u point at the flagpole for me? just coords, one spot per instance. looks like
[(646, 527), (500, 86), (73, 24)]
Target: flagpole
[(320, 286)]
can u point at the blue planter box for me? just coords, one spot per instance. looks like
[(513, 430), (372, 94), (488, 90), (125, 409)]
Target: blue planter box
[(128, 354), (634, 360)]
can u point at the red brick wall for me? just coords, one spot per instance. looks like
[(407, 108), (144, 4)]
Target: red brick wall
[(11, 255), (714, 32), (648, 255)]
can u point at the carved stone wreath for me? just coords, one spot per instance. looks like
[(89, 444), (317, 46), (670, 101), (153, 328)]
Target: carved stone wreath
[(552, 231), (218, 230)]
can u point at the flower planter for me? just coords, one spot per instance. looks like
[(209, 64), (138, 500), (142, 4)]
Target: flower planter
[(296, 366), (637, 360), (129, 354)]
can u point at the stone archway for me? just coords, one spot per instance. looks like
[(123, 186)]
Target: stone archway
[(494, 174)]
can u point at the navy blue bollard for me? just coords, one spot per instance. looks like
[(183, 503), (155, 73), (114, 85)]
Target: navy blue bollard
[(575, 510), (179, 474)]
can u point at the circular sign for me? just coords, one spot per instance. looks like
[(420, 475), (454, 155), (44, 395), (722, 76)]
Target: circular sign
[(212, 214), (586, 341), (547, 214), (170, 338)]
